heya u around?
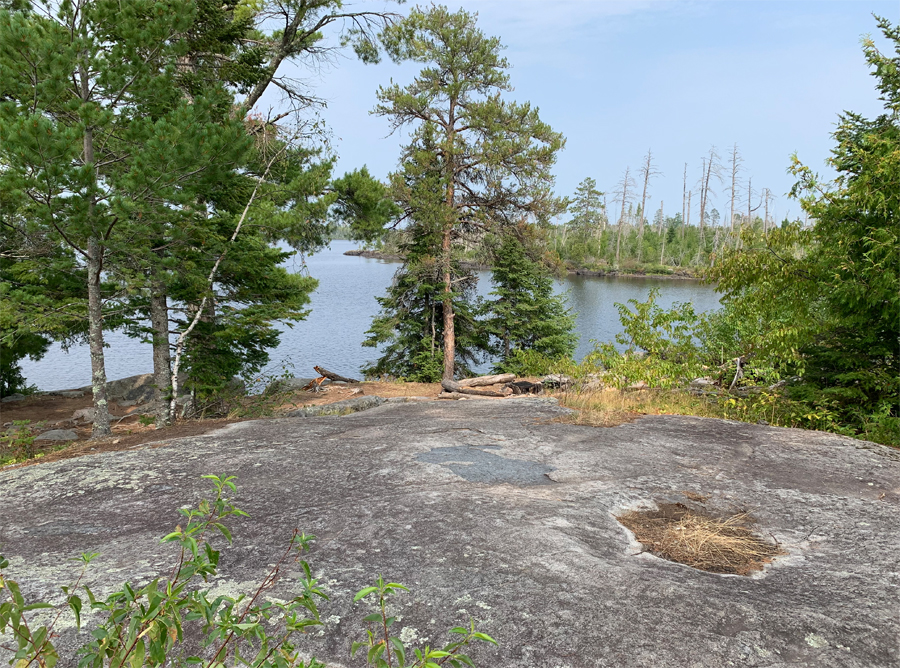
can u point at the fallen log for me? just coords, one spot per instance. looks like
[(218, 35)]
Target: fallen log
[(453, 395), (325, 374), (453, 386), (481, 381), (333, 376)]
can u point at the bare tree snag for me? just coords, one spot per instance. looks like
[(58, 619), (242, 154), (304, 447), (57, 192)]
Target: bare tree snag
[(625, 186), (648, 171), (684, 199), (736, 161), (662, 232)]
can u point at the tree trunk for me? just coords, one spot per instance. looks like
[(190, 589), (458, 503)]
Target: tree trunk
[(162, 362), (648, 171), (735, 163), (622, 215), (484, 381), (95, 298), (684, 203), (703, 186), (449, 333), (663, 232), (95, 320)]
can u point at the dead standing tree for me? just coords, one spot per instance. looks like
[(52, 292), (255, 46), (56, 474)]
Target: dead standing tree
[(625, 189), (711, 170), (648, 171), (736, 161), (684, 203), (662, 232), (750, 209)]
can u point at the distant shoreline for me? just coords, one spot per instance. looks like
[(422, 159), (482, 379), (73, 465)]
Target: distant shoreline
[(680, 275)]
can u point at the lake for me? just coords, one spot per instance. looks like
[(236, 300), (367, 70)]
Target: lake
[(342, 310)]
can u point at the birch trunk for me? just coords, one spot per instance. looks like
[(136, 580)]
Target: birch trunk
[(95, 298), (162, 361), (95, 320)]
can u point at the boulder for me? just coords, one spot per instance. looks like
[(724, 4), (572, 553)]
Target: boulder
[(558, 380), (292, 384), (66, 394), (84, 414), (12, 397), (339, 407), (57, 435), (702, 385), (133, 390)]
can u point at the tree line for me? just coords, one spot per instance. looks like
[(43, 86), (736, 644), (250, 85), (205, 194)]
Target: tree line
[(616, 231)]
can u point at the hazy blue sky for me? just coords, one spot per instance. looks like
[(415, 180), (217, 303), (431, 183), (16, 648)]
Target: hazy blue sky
[(618, 77)]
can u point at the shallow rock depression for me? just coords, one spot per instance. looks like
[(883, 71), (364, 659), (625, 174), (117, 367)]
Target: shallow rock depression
[(490, 510)]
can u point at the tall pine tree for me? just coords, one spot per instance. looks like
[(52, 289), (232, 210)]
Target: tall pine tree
[(492, 158)]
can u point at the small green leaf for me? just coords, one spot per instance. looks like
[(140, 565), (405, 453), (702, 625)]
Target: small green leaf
[(36, 606), (362, 593)]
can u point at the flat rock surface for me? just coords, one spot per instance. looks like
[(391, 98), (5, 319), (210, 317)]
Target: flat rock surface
[(487, 509)]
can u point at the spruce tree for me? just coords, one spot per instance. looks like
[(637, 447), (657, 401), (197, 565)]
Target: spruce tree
[(525, 315)]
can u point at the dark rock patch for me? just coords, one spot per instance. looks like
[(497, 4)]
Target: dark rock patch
[(477, 464)]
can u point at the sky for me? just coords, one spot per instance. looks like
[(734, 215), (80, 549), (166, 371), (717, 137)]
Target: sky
[(619, 77)]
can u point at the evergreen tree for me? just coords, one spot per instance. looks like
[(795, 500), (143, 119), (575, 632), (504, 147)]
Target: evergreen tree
[(587, 208), (525, 314), (93, 129), (411, 324), (492, 158)]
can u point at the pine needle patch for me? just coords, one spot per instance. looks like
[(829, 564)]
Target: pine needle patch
[(713, 544)]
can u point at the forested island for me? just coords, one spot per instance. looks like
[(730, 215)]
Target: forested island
[(142, 191)]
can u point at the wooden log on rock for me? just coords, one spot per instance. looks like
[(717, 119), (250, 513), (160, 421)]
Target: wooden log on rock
[(324, 374), (333, 376), (482, 381), (453, 386), (453, 395)]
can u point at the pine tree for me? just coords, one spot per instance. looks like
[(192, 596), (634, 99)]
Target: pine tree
[(411, 323), (492, 158), (525, 315)]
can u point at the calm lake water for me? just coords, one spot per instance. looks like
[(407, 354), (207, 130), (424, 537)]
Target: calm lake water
[(342, 310)]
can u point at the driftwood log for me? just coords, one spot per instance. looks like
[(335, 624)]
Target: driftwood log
[(482, 381), (453, 386), (453, 395), (325, 374)]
